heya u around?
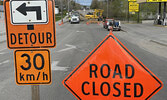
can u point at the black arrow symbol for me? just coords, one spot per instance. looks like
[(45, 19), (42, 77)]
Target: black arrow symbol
[(23, 10)]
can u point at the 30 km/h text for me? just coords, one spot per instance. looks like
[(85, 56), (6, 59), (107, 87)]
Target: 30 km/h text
[(31, 77)]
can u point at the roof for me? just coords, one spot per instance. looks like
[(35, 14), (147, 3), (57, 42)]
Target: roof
[(145, 1), (141, 1)]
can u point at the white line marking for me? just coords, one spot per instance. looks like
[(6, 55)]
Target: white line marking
[(3, 49), (80, 31), (69, 47), (1, 53), (58, 68), (4, 62)]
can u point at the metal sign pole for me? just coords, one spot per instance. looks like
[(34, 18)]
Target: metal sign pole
[(35, 92), (0, 12)]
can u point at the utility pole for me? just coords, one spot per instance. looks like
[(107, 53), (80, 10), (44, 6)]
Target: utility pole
[(0, 12), (159, 14), (107, 8), (68, 6), (61, 11), (164, 14), (128, 11), (138, 19)]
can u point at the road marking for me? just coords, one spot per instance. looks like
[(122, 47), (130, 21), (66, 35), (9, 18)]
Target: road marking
[(1, 53), (3, 49), (80, 31), (69, 47), (55, 67), (4, 62)]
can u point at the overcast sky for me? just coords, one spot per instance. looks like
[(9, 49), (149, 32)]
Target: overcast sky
[(84, 2)]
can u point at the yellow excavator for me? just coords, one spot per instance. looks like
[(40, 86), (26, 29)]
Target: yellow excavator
[(94, 15)]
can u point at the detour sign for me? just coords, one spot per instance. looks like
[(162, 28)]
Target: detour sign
[(30, 23), (112, 72)]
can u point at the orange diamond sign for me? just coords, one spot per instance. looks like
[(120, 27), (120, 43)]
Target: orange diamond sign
[(112, 72)]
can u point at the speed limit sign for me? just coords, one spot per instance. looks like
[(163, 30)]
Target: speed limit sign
[(32, 67)]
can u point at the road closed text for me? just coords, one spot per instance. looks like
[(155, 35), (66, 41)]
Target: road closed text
[(119, 86)]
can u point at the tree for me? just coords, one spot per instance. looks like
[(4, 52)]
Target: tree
[(73, 4), (95, 4)]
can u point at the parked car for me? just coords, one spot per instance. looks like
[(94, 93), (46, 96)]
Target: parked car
[(106, 23), (114, 25)]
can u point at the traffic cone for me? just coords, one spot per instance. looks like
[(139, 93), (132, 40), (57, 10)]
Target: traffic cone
[(59, 24), (98, 23), (62, 23)]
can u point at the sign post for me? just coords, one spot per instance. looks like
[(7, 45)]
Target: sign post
[(112, 72), (133, 7), (35, 92)]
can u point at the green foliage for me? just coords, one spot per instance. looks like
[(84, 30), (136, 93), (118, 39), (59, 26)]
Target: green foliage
[(58, 16), (95, 4), (118, 9), (73, 5)]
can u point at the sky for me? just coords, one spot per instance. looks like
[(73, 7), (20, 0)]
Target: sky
[(84, 2)]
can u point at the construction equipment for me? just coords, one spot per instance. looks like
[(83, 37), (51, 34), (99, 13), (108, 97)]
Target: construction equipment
[(94, 15)]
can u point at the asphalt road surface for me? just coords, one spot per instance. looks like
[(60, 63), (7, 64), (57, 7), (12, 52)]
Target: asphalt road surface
[(74, 43)]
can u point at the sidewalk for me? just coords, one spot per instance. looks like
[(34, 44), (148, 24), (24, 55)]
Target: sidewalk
[(148, 30)]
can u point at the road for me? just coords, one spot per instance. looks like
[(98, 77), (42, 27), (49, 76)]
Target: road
[(74, 43)]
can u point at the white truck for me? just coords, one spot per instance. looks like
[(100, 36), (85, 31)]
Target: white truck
[(75, 19)]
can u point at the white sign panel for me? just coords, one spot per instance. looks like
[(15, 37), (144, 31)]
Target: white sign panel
[(29, 12)]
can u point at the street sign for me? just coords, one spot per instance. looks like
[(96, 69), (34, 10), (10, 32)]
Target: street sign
[(133, 7), (112, 72), (30, 24), (156, 0), (29, 12), (32, 67)]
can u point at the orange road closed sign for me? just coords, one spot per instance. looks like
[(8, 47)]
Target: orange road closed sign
[(30, 23), (32, 67), (112, 72)]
